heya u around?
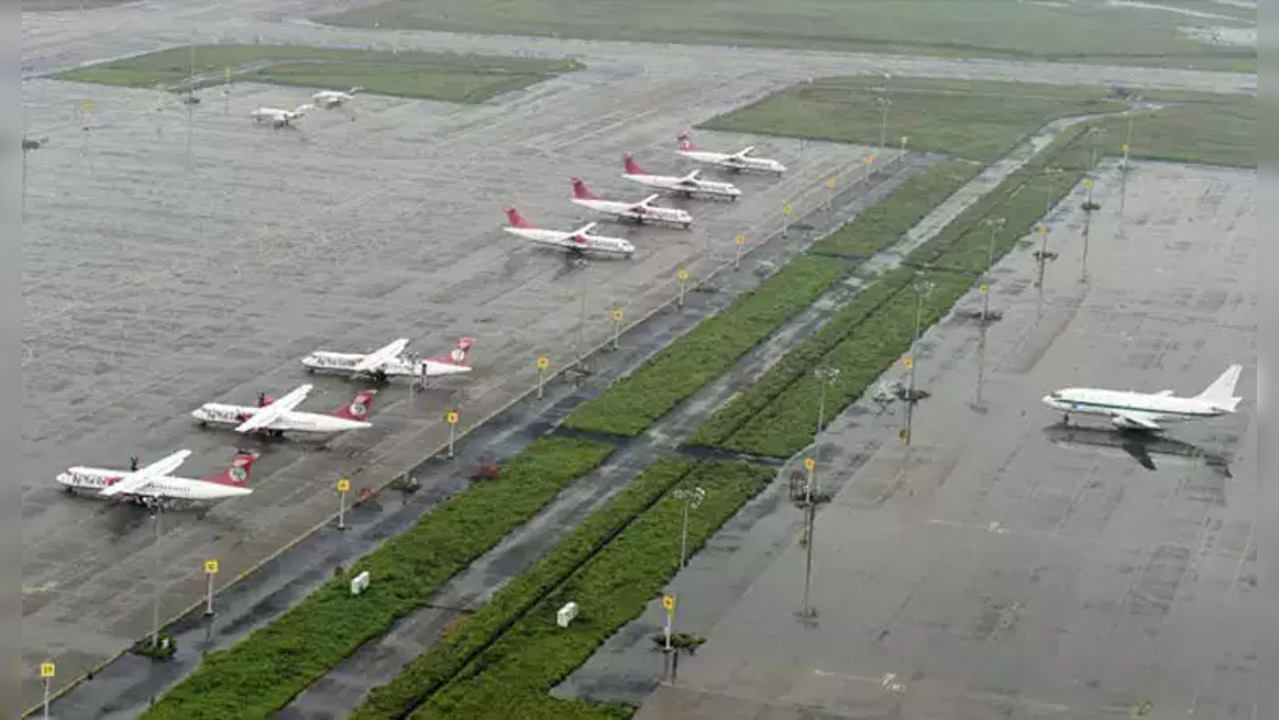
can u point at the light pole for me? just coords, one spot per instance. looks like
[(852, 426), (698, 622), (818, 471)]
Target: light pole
[(155, 598), (995, 224), (810, 518), (1123, 168), (692, 499), (883, 121), (922, 290), (1049, 174), (825, 376), (1088, 208)]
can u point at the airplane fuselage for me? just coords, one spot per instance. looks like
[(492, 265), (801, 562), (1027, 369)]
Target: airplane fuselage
[(734, 162), (165, 486), (1115, 403), (345, 363), (593, 243), (688, 187), (647, 213), (292, 421), (276, 116)]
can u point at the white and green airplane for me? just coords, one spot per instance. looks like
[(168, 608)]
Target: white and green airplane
[(1145, 411)]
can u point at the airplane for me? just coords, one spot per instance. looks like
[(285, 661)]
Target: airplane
[(279, 117), (390, 361), (641, 212), (737, 162), (153, 486), (1144, 411), (275, 416), (577, 242), (329, 99), (688, 184)]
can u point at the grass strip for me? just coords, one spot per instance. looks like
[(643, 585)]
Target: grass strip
[(511, 678), (884, 223), (983, 119), (634, 402), (775, 417), (453, 77), (446, 658), (261, 674)]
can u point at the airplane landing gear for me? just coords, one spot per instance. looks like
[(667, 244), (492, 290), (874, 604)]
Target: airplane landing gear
[(1065, 419)]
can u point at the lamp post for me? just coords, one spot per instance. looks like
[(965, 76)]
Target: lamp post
[(995, 224), (883, 120), (692, 499), (825, 376), (922, 290)]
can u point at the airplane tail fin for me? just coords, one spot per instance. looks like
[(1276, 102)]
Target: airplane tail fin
[(517, 220), (686, 142), (358, 409), (632, 167), (238, 474), (459, 355), (581, 192), (1222, 390)]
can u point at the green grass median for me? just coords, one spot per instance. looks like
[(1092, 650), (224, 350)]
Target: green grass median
[(443, 660), (885, 222), (511, 677), (452, 77), (1079, 31), (261, 674), (634, 402), (983, 119)]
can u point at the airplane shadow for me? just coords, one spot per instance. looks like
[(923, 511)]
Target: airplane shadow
[(1141, 445)]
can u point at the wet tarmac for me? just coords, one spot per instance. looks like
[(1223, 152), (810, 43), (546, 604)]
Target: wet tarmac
[(170, 262), (150, 291), (1004, 565)]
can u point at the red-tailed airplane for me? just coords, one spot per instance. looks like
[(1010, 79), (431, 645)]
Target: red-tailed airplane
[(641, 212), (689, 185), (736, 161), (577, 242), (153, 486), (274, 416)]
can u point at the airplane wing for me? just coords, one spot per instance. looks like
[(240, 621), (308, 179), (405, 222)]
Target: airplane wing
[(743, 153), (646, 200), (691, 177), (135, 480), (269, 414), (379, 357), (1139, 420), (582, 230)]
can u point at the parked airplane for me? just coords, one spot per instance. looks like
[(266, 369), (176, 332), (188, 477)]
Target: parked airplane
[(329, 99), (279, 117), (688, 184), (153, 486), (577, 242), (390, 361), (737, 162), (274, 416), (641, 212), (1143, 411)]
